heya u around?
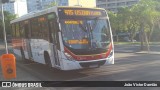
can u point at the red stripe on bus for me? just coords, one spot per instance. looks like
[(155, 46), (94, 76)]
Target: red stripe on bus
[(89, 57)]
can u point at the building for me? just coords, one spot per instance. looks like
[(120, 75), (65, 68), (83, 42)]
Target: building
[(83, 3), (34, 5), (19, 7), (113, 5), (9, 7)]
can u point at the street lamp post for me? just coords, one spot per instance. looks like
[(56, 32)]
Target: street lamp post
[(17, 7), (8, 63), (3, 22), (4, 29)]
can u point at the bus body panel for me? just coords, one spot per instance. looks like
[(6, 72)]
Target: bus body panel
[(38, 46), (73, 64)]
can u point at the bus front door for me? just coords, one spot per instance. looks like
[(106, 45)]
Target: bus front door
[(28, 37), (53, 28)]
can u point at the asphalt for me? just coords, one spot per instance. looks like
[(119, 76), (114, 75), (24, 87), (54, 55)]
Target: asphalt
[(129, 61), (21, 71)]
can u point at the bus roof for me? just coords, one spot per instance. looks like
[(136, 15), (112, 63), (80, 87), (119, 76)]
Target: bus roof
[(80, 7), (45, 11)]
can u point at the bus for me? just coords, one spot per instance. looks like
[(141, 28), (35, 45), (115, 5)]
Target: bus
[(66, 38)]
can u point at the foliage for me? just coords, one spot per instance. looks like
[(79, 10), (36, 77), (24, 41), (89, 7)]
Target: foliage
[(7, 17), (141, 17), (51, 4)]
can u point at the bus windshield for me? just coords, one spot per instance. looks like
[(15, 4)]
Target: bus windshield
[(86, 35)]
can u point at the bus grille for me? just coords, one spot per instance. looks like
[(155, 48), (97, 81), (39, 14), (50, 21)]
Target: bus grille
[(87, 64)]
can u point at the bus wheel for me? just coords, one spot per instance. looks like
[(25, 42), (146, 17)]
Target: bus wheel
[(22, 54), (47, 59)]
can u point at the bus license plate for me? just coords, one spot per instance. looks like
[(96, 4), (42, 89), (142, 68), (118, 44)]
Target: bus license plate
[(93, 65)]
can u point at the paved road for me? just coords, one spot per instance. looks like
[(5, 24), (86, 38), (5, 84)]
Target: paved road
[(130, 65), (22, 74)]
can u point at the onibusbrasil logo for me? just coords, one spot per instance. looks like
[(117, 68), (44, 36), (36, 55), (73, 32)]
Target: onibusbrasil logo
[(21, 84)]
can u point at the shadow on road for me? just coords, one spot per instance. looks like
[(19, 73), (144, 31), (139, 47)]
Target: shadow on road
[(133, 68), (154, 49)]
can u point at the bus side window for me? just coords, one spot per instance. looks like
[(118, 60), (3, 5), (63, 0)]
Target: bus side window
[(26, 29), (29, 29), (22, 33), (13, 30), (43, 31), (34, 29), (17, 30)]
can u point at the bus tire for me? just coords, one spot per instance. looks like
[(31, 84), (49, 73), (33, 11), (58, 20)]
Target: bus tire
[(47, 59), (22, 54)]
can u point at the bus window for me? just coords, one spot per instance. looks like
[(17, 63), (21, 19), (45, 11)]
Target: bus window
[(26, 29), (17, 30), (22, 29), (51, 16), (13, 30), (34, 27), (43, 32)]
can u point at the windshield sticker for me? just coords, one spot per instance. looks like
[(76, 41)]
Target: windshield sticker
[(83, 41), (73, 22)]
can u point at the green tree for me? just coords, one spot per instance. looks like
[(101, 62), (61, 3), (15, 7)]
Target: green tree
[(147, 16), (142, 17), (51, 5), (114, 20), (7, 17), (124, 21)]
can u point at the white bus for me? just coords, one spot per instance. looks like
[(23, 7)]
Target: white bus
[(65, 38)]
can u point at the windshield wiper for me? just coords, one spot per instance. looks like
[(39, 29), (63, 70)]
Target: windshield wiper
[(80, 25), (83, 28), (95, 24)]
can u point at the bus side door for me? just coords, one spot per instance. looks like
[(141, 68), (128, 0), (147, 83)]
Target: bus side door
[(28, 37), (53, 29)]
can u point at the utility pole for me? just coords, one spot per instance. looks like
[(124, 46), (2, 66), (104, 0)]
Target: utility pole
[(8, 63), (4, 29), (17, 7), (3, 22)]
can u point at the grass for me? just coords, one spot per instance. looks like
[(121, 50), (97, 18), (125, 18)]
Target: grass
[(126, 43), (135, 43)]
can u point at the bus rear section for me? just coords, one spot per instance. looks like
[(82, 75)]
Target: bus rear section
[(86, 38)]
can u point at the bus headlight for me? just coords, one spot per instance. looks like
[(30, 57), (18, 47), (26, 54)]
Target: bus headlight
[(68, 56)]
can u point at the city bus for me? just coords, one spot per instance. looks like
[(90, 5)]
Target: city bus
[(66, 38)]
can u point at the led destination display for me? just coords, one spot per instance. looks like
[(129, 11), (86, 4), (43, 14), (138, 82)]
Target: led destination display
[(80, 12)]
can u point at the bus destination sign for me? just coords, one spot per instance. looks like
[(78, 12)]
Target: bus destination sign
[(80, 12), (70, 12)]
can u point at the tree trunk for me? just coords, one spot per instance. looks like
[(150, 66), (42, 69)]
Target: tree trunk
[(141, 36), (146, 41), (117, 37), (150, 34)]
